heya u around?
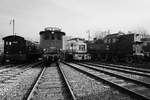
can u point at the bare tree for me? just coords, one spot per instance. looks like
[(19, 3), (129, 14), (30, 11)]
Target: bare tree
[(142, 31), (101, 34)]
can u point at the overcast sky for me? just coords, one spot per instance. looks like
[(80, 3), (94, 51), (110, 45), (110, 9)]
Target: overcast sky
[(75, 17)]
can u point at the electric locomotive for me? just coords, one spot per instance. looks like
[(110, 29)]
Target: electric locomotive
[(51, 41)]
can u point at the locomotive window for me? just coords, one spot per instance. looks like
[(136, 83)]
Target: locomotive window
[(53, 37), (59, 37), (9, 43), (46, 36), (6, 43), (15, 42)]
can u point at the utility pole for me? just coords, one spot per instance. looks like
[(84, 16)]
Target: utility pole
[(13, 23), (13, 27)]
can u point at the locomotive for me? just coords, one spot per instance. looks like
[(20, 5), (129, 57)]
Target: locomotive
[(51, 42), (18, 50), (130, 48)]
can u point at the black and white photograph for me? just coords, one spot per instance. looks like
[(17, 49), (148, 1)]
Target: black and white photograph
[(74, 49)]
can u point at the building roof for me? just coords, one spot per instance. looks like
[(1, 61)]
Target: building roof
[(76, 39), (115, 35)]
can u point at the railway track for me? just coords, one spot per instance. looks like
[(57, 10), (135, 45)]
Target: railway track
[(140, 75), (138, 71), (134, 88), (88, 88), (125, 67), (51, 84)]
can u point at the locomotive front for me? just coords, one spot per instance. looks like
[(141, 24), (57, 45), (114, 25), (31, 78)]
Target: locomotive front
[(51, 41)]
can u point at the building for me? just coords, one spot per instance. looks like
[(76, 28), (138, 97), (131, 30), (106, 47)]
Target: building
[(77, 45), (65, 42), (78, 48)]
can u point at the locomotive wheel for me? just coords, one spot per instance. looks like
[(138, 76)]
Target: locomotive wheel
[(129, 60)]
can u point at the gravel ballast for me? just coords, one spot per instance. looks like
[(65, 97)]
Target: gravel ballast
[(86, 88), (16, 87)]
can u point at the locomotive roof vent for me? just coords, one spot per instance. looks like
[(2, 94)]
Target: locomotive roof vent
[(52, 29)]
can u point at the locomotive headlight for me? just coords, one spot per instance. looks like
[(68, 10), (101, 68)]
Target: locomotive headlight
[(44, 49)]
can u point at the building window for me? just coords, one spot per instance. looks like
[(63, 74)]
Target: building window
[(113, 40), (82, 47), (109, 41), (105, 41)]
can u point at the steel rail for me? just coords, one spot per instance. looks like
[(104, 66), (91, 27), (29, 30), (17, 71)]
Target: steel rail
[(122, 69), (127, 67), (67, 83), (29, 94)]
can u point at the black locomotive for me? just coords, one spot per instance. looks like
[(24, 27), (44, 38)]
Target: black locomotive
[(51, 42), (19, 50)]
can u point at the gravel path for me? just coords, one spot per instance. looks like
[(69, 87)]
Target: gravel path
[(6, 68), (16, 87), (87, 88)]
